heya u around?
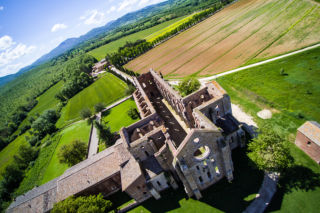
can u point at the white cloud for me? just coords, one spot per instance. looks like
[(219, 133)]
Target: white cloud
[(57, 27), (1, 8), (6, 42), (126, 4), (113, 8), (11, 68), (14, 53), (93, 17)]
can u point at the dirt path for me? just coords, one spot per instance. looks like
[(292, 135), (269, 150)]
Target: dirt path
[(210, 78)]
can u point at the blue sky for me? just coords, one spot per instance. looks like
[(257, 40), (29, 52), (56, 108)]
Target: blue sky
[(31, 28)]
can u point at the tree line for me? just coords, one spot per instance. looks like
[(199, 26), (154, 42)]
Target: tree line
[(132, 50)]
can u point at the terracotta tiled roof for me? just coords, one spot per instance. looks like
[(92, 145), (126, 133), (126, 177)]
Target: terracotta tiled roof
[(311, 129), (130, 172), (88, 173), (35, 192)]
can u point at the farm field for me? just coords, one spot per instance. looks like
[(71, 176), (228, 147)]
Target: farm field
[(117, 117), (242, 32), (106, 90), (101, 52), (78, 131), (293, 97)]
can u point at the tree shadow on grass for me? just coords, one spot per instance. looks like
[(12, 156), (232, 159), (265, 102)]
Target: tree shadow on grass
[(225, 196), (295, 178)]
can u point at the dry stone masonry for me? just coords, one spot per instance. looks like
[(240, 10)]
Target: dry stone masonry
[(156, 152)]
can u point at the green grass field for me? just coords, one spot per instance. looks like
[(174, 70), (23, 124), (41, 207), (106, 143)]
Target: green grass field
[(117, 117), (294, 98), (100, 52), (163, 31), (6, 155), (107, 89), (78, 131), (45, 101)]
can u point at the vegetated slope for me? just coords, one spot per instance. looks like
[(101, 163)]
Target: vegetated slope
[(245, 31), (118, 117), (105, 90), (111, 47), (78, 131), (293, 96), (6, 155)]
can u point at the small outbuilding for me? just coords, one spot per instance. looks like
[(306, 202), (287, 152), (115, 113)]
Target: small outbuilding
[(308, 139)]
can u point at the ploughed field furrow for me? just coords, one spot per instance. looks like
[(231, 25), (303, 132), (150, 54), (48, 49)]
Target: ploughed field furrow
[(244, 31)]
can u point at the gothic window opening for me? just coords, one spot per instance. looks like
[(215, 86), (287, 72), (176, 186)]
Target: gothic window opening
[(200, 179), (209, 175), (159, 184)]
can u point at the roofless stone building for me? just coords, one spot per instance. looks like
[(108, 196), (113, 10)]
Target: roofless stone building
[(187, 139)]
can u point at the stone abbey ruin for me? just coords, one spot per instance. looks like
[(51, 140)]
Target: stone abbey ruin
[(178, 139)]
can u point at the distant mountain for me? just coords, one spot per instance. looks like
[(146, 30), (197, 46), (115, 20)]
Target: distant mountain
[(100, 32), (70, 43)]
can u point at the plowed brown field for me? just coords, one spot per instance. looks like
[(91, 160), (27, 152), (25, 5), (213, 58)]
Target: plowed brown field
[(242, 32)]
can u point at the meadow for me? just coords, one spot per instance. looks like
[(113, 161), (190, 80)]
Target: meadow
[(105, 90), (242, 32), (101, 52), (293, 97), (78, 131), (117, 117), (6, 155), (47, 166)]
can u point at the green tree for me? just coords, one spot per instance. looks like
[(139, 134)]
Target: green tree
[(130, 89), (188, 85), (104, 133), (132, 113), (83, 204), (98, 107), (85, 113), (269, 151), (45, 124), (73, 153), (26, 154)]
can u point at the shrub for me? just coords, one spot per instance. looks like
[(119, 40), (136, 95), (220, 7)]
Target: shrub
[(73, 153), (99, 107), (85, 113), (82, 204), (133, 114), (188, 86)]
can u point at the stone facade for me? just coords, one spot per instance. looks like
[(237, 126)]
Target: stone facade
[(308, 139), (178, 139)]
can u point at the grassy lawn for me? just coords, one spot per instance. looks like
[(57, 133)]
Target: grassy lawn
[(100, 52), (78, 131), (6, 155), (294, 98), (117, 117), (220, 197), (106, 90), (34, 175)]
